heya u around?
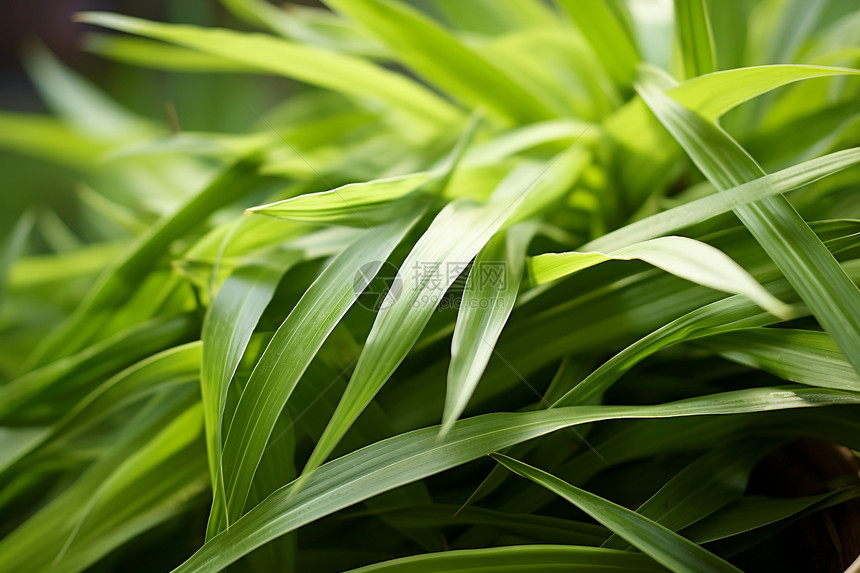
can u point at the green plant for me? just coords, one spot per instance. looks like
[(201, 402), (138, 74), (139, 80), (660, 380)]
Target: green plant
[(528, 167)]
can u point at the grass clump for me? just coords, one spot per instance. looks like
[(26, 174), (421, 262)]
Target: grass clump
[(613, 244)]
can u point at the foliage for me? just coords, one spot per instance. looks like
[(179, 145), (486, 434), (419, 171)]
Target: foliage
[(623, 256)]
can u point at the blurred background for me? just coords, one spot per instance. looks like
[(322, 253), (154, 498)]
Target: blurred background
[(191, 101)]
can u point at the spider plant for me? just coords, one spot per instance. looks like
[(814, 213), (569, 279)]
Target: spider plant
[(492, 286)]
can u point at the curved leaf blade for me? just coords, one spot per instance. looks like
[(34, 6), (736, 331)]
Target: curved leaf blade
[(535, 558), (687, 258), (288, 354), (663, 545), (695, 38), (785, 236), (487, 303), (802, 356), (339, 72), (415, 455)]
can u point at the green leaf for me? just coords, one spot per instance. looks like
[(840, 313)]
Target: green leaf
[(445, 61), (664, 546), (456, 235), (711, 482), (726, 315), (700, 210), (158, 55), (10, 249), (752, 512), (521, 525), (496, 16), (173, 367), (81, 104), (227, 329), (536, 558), (288, 354), (361, 204), (801, 356), (785, 236), (48, 139), (414, 455), (38, 270), (712, 95), (488, 300), (324, 68), (695, 38), (610, 40), (686, 258), (118, 282), (141, 481), (84, 369), (646, 155), (308, 25), (292, 348), (16, 442)]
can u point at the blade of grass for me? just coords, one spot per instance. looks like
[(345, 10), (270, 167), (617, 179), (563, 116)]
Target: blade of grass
[(732, 313), (663, 545), (140, 481), (695, 38), (118, 282), (486, 305), (445, 61), (711, 482), (170, 368), (79, 103), (522, 525), (85, 367), (319, 310), (700, 210), (712, 95), (683, 257), (339, 72), (47, 138), (802, 356), (611, 42), (752, 512), (157, 55), (536, 558), (227, 329), (414, 455), (785, 236), (288, 354), (362, 204), (11, 247), (454, 238)]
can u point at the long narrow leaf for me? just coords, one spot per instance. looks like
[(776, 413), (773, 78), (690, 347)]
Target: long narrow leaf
[(489, 297), (414, 455), (288, 355), (800, 255), (695, 38), (227, 329), (687, 258), (802, 356), (536, 558), (443, 60), (320, 67), (664, 546)]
